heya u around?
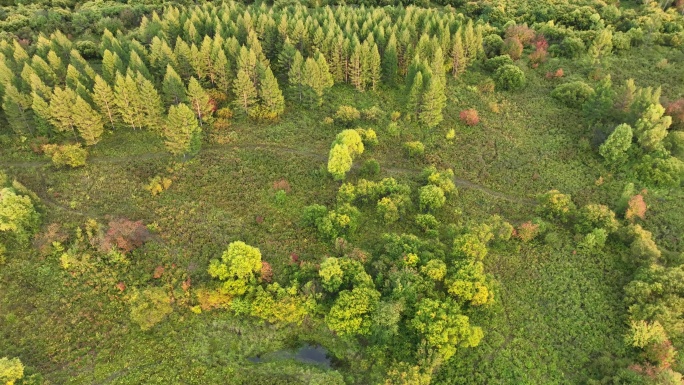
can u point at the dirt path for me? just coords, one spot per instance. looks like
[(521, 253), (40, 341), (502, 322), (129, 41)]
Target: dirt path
[(463, 183)]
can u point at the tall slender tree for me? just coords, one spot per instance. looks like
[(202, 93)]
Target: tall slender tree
[(272, 101), (61, 111), (104, 99), (245, 92), (17, 108), (172, 87), (200, 102), (181, 132), (87, 121)]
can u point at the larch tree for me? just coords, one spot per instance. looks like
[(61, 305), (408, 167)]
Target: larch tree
[(41, 113), (173, 88), (245, 91), (295, 76), (17, 108), (390, 61), (104, 99), (87, 121), (272, 101), (434, 100), (458, 57), (111, 64), (56, 65), (127, 101), (374, 66), (356, 68), (182, 134), (199, 101), (151, 106), (61, 112), (470, 42), (415, 95)]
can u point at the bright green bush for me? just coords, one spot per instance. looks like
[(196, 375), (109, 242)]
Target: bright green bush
[(572, 47), (72, 155), (431, 198), (497, 62), (414, 148)]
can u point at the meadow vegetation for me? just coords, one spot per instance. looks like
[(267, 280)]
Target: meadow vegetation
[(434, 193)]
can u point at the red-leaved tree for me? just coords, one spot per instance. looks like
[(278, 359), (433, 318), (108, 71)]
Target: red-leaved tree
[(125, 235), (469, 117)]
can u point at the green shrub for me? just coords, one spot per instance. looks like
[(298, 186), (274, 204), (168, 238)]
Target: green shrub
[(495, 63), (492, 45), (431, 198), (621, 41), (371, 167), (414, 148), (88, 49), (573, 94), (373, 114), (509, 77), (572, 47), (347, 114), (150, 306), (72, 155), (554, 205)]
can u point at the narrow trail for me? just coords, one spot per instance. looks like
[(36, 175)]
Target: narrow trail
[(459, 182)]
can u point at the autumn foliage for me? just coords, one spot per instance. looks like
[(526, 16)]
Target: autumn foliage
[(540, 51), (636, 208), (676, 111), (527, 231), (469, 117), (125, 235)]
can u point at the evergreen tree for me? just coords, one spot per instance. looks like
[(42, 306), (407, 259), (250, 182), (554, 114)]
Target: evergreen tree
[(61, 111), (17, 108), (181, 131), (244, 90), (200, 102), (56, 65), (374, 65), (137, 65), (172, 87), (651, 129), (286, 57), (222, 70), (87, 121), (183, 55), (43, 70), (88, 73), (272, 101), (434, 101), (104, 99), (458, 57)]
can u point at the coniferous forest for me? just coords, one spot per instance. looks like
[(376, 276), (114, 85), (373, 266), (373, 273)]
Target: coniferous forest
[(323, 192)]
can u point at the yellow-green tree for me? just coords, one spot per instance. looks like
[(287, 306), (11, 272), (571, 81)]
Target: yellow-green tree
[(238, 268), (181, 131)]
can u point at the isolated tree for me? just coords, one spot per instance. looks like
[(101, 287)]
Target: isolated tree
[(181, 132), (172, 87), (239, 268), (200, 102), (244, 90), (104, 99), (11, 370), (614, 149), (87, 121), (18, 217)]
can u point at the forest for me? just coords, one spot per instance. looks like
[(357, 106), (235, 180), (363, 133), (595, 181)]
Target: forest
[(342, 192)]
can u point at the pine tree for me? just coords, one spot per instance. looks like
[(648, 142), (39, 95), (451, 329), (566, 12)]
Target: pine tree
[(61, 112), (137, 65), (244, 90), (458, 57), (614, 149), (172, 87), (437, 66), (17, 108), (200, 102), (183, 55), (104, 99), (365, 64), (272, 101), (599, 106), (286, 57), (181, 131), (415, 95), (651, 129), (434, 101), (87, 121), (374, 64), (295, 76)]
